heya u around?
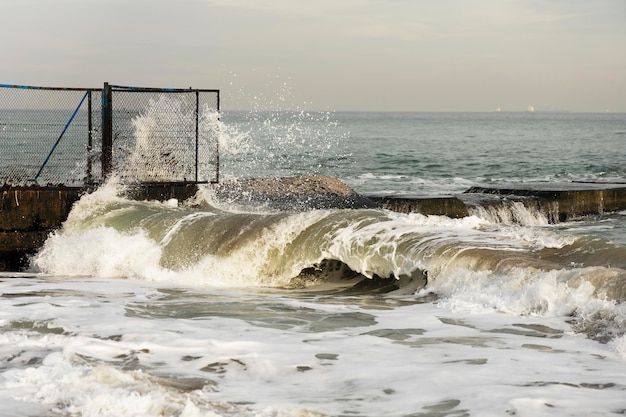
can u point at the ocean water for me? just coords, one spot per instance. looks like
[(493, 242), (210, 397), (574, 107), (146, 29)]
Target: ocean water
[(206, 308)]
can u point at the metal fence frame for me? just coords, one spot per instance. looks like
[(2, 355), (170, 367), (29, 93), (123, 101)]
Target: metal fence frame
[(90, 133), (107, 133), (108, 120)]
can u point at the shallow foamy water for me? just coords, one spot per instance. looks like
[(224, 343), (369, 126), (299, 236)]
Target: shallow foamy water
[(104, 347)]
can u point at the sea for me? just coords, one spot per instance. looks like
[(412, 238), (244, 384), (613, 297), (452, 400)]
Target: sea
[(209, 307)]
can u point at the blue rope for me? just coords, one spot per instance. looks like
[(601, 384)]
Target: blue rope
[(59, 139)]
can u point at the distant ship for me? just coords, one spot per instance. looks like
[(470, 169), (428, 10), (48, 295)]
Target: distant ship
[(498, 109), (530, 108)]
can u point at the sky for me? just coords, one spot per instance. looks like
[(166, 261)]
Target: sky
[(336, 55)]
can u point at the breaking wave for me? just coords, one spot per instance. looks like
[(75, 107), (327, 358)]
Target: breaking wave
[(196, 242), (510, 258)]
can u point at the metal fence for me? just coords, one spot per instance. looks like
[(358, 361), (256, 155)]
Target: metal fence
[(77, 137), (49, 135)]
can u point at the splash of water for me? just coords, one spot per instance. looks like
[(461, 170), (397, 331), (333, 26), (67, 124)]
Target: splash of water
[(257, 143), (165, 142), (284, 143), (515, 212), (279, 137)]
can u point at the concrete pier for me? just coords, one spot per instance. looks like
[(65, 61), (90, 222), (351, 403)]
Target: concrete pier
[(445, 205), (558, 201), (566, 200), (27, 216)]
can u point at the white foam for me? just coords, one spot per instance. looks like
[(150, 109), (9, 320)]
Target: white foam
[(619, 345), (148, 349), (537, 237), (519, 292), (101, 252)]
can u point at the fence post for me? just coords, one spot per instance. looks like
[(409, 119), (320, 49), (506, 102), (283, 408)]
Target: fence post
[(217, 148), (197, 130), (89, 139), (107, 131)]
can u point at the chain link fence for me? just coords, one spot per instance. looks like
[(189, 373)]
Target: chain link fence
[(164, 135), (76, 137), (49, 136)]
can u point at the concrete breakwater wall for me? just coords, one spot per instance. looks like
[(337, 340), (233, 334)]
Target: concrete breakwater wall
[(29, 214), (563, 201), (559, 202), (444, 205)]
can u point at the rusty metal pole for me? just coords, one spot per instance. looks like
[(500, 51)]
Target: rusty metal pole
[(89, 138), (197, 129), (107, 131)]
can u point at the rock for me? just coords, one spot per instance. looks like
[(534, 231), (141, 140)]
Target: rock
[(291, 193)]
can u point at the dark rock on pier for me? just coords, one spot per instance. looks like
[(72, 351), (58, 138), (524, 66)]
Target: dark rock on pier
[(292, 193)]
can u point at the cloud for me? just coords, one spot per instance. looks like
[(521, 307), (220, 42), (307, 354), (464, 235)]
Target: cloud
[(333, 51)]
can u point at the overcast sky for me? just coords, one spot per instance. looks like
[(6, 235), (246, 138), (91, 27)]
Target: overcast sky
[(394, 55)]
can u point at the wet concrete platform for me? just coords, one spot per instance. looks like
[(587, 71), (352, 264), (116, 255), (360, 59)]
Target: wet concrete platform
[(569, 200), (558, 201)]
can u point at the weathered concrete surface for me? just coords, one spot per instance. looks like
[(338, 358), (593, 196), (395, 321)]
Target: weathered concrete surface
[(27, 216), (446, 205), (558, 201)]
